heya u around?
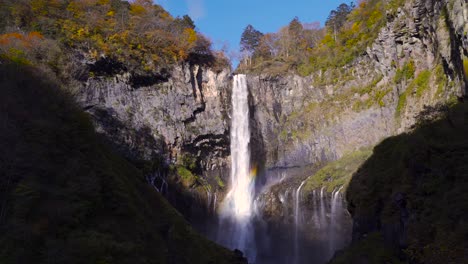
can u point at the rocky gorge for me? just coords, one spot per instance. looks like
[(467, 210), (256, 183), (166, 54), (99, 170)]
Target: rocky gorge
[(179, 121)]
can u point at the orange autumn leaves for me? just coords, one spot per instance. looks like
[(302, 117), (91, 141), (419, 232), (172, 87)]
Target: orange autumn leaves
[(15, 46), (138, 33), (26, 40)]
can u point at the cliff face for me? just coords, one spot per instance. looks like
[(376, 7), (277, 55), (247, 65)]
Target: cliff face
[(177, 122), (180, 117), (302, 124), (185, 111), (417, 60), (433, 35)]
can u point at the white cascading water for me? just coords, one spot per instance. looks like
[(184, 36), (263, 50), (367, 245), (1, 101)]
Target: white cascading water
[(335, 217), (297, 220), (237, 207), (322, 216), (326, 217), (214, 201)]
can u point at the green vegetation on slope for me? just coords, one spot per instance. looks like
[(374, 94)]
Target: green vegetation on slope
[(337, 173), (419, 85), (465, 67), (441, 80), (65, 197), (421, 82), (427, 168), (401, 102), (405, 73)]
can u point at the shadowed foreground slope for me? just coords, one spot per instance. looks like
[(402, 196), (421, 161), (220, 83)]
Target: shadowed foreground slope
[(65, 197), (409, 200)]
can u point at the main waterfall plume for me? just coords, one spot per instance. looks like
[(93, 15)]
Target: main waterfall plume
[(300, 232), (236, 214)]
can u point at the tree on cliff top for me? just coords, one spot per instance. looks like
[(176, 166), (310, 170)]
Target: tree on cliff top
[(338, 17), (250, 40)]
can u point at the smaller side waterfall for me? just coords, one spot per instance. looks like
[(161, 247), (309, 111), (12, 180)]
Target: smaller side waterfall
[(294, 224), (322, 216), (297, 222), (157, 179), (326, 218), (335, 216), (214, 201), (209, 197)]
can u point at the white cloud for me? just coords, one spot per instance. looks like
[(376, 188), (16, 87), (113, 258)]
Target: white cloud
[(196, 9)]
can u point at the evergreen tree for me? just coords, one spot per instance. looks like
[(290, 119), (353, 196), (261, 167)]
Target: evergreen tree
[(250, 40), (337, 18), (188, 21), (296, 34), (295, 28)]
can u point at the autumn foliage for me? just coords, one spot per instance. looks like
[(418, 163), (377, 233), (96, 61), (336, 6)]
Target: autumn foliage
[(27, 40), (139, 33), (25, 48), (307, 47)]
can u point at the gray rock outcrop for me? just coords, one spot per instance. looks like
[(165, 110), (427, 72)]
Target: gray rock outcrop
[(306, 120)]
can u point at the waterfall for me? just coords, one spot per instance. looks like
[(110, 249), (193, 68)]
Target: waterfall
[(214, 201), (237, 210), (297, 222), (335, 216), (327, 217), (153, 180), (315, 215), (208, 198), (241, 222), (322, 216)]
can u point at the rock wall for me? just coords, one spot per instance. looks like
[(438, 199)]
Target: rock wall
[(187, 112), (306, 120), (180, 118), (417, 60), (298, 131)]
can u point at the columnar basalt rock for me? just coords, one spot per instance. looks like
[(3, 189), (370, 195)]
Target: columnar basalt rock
[(182, 118), (186, 113)]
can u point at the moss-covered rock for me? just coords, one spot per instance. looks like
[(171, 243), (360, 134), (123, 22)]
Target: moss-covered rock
[(186, 176), (337, 173)]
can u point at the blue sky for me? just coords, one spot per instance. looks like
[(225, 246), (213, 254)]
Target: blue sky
[(224, 20)]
